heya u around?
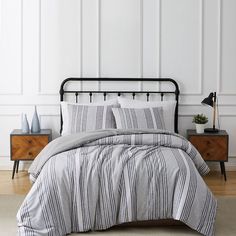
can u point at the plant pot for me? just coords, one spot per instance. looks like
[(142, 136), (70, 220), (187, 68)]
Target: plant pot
[(200, 128)]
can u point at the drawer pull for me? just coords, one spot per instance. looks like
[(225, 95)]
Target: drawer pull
[(208, 142), (30, 153), (29, 141), (208, 154)]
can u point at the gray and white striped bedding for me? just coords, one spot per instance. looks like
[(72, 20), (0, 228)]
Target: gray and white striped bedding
[(142, 118), (94, 180), (80, 118)]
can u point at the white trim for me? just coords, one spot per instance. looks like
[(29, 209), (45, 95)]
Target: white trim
[(180, 114), (219, 52), (81, 42), (58, 104), (219, 48), (99, 43), (220, 115), (201, 36), (16, 114), (40, 92), (7, 164), (159, 32), (229, 166), (40, 49), (141, 45), (21, 50), (141, 40), (158, 40), (7, 115)]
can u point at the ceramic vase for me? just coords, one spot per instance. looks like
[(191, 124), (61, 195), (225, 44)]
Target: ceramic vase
[(200, 128), (24, 124), (35, 125)]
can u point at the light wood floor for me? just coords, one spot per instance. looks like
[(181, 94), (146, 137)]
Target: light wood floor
[(21, 184)]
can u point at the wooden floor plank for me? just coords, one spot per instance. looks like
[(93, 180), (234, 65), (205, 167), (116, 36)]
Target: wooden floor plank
[(21, 183)]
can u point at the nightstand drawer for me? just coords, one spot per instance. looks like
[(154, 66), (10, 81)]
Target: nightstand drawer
[(212, 148), (27, 147)]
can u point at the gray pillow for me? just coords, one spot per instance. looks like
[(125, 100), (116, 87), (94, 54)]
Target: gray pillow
[(146, 118), (86, 118)]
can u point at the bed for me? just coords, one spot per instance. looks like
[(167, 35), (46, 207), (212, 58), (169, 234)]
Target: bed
[(117, 162)]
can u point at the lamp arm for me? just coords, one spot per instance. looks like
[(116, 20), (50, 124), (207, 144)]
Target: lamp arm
[(214, 110)]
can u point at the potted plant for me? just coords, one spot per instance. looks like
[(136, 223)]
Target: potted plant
[(200, 120)]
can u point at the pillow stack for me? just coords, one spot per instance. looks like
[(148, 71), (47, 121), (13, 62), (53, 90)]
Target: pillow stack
[(118, 113)]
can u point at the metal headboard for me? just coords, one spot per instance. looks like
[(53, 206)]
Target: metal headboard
[(63, 91)]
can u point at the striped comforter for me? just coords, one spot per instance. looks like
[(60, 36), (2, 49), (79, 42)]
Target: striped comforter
[(94, 180)]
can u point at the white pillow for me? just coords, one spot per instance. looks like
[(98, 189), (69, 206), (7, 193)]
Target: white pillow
[(167, 106), (66, 129)]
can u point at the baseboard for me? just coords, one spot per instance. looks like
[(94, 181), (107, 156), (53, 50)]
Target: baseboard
[(229, 166), (6, 164)]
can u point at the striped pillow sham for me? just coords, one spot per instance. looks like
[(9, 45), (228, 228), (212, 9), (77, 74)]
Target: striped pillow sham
[(168, 109), (82, 118), (146, 118)]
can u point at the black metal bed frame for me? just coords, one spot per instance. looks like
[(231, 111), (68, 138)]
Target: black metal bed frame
[(176, 92)]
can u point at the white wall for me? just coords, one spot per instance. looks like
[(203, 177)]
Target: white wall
[(44, 41)]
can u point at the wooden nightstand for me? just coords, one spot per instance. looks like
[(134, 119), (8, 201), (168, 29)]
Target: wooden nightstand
[(212, 146), (26, 147)]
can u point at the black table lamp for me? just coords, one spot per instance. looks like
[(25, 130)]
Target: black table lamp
[(211, 101)]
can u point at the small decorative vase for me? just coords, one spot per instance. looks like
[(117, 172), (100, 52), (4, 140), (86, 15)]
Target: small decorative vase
[(35, 126), (24, 124), (200, 128)]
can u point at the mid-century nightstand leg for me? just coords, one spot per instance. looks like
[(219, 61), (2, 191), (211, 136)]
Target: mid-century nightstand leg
[(14, 169), (17, 166), (222, 166)]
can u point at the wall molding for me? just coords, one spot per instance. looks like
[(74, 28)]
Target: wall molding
[(81, 41), (99, 72), (219, 48), (39, 90), (141, 22), (141, 41), (190, 114), (230, 165), (8, 115), (58, 104), (159, 36), (219, 52), (158, 21), (99, 40), (212, 15), (199, 92), (21, 50), (194, 113), (40, 47), (48, 115), (201, 47), (227, 115), (99, 43)]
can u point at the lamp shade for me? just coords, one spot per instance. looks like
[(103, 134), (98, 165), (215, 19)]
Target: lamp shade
[(208, 100)]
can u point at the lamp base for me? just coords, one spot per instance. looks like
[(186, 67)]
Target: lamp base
[(211, 130)]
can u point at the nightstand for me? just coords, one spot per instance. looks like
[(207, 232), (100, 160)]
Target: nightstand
[(212, 146), (26, 146)]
